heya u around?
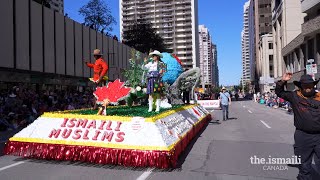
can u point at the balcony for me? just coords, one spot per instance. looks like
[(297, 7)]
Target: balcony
[(167, 20), (306, 5), (184, 25), (184, 18), (167, 37), (128, 3), (277, 10), (184, 35), (187, 63), (311, 26), (165, 31), (184, 41), (181, 13), (167, 15)]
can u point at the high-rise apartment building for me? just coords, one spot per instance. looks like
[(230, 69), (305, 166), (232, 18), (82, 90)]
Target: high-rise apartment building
[(259, 25), (252, 40), (302, 54), (206, 56), (265, 66), (286, 21), (215, 69), (246, 71), (175, 20), (57, 5)]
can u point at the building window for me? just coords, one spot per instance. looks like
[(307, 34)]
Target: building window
[(270, 46), (270, 58), (271, 68)]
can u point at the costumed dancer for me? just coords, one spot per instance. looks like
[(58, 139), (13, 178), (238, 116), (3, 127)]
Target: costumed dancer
[(100, 69), (154, 84)]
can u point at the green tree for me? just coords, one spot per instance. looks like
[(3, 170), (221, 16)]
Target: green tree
[(216, 90), (143, 37), (134, 73), (97, 15), (246, 87)]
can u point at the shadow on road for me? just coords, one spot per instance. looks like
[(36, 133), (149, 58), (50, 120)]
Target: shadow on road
[(4, 137), (187, 150), (218, 121)]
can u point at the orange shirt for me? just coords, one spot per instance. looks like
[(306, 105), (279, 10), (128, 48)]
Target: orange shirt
[(100, 68)]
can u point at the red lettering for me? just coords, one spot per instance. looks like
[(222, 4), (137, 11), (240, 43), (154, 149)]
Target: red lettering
[(64, 122), (85, 136), (92, 124), (118, 126), (66, 133), (102, 124), (120, 137), (109, 125), (77, 134), (95, 137), (71, 123), (54, 133), (82, 123), (107, 135)]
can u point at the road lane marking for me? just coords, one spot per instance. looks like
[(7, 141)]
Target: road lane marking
[(12, 165), (265, 124), (145, 175), (250, 111), (244, 106)]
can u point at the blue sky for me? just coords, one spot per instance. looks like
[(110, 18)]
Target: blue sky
[(223, 19)]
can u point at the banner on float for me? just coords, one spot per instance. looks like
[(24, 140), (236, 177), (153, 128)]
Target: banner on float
[(209, 104), (161, 132)]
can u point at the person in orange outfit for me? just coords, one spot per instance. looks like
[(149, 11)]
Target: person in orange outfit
[(100, 68)]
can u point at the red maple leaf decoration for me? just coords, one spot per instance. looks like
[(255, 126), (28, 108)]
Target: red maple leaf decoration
[(114, 92)]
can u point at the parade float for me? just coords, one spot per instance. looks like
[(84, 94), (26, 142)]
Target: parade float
[(121, 135)]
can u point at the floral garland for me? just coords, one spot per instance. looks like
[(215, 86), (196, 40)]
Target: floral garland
[(94, 144), (74, 113)]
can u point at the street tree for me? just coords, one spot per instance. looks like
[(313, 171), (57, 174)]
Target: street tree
[(97, 15), (143, 38)]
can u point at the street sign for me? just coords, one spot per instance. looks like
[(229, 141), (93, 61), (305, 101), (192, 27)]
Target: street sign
[(314, 68), (309, 68), (310, 60)]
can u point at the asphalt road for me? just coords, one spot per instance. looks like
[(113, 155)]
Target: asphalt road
[(220, 152)]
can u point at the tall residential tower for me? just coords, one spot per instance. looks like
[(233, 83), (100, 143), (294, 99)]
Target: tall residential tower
[(206, 56), (175, 20), (246, 71)]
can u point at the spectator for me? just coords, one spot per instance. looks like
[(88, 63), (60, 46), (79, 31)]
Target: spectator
[(20, 107), (305, 104), (237, 96), (225, 101)]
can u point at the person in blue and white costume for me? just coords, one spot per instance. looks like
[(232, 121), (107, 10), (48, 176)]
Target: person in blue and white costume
[(155, 86)]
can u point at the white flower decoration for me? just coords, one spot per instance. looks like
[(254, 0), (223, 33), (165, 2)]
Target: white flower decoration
[(144, 90), (138, 88), (133, 91)]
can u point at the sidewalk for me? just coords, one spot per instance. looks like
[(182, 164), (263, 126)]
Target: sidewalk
[(4, 136), (279, 108)]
